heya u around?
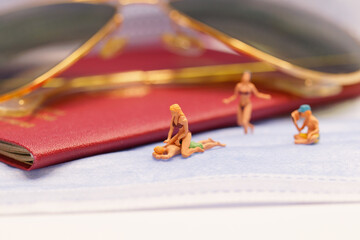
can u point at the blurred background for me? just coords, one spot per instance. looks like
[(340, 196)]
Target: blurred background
[(343, 12)]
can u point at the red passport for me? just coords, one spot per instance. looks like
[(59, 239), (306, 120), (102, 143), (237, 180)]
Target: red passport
[(94, 123)]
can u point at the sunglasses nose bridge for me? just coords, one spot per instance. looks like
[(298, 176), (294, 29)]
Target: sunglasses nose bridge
[(123, 2), (128, 2)]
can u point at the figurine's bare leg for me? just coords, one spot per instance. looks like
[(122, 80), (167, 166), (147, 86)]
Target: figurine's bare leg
[(251, 126), (298, 136), (209, 143), (209, 140), (240, 116), (246, 118), (185, 150), (301, 141), (311, 140)]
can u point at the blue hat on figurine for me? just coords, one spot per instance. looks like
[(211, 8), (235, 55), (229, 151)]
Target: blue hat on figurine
[(304, 108)]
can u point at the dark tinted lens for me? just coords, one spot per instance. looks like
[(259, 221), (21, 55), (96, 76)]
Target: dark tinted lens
[(35, 40), (295, 36)]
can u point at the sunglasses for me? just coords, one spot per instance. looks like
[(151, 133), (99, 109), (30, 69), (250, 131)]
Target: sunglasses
[(40, 42), (295, 42)]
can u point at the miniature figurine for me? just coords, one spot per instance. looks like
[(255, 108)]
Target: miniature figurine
[(244, 89), (183, 138), (312, 124), (170, 150)]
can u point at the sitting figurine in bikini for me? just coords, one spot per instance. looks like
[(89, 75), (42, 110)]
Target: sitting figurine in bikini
[(181, 141), (312, 136)]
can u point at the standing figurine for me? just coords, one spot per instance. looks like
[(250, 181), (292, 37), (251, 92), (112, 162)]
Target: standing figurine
[(244, 89), (312, 124)]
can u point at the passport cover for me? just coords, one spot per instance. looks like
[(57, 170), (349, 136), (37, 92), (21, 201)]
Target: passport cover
[(85, 124)]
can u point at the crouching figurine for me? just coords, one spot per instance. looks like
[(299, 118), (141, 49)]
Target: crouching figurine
[(181, 143), (312, 124)]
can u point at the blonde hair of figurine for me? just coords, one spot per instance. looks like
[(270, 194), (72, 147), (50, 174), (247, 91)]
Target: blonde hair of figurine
[(176, 108), (159, 150), (247, 72)]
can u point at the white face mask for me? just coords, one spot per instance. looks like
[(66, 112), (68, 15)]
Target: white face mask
[(263, 168)]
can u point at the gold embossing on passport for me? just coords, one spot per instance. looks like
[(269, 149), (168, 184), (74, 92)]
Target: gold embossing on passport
[(129, 92), (45, 114), (49, 114), (17, 122)]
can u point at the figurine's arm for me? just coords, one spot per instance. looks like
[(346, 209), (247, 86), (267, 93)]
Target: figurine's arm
[(232, 97), (295, 118), (303, 126), (171, 130), (172, 140), (259, 94), (306, 122)]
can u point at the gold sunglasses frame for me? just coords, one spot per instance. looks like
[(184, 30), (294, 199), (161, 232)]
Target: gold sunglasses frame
[(114, 22), (283, 66)]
